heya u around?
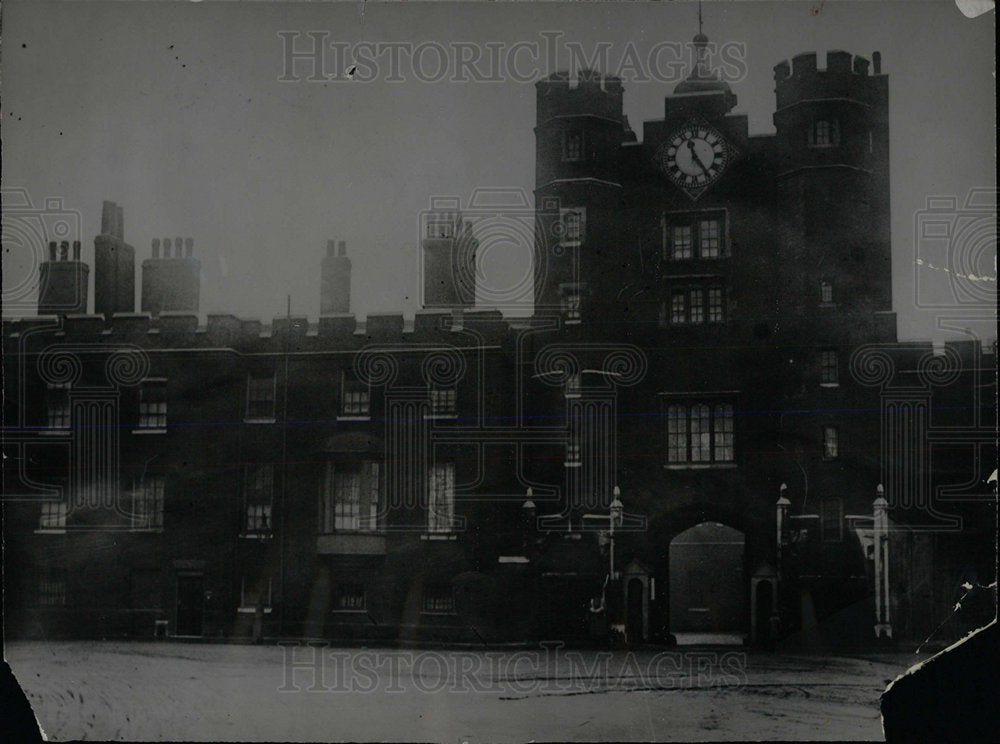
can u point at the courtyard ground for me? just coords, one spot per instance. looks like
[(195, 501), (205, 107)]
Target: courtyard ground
[(187, 691)]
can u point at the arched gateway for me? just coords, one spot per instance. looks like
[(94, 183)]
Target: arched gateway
[(707, 586)]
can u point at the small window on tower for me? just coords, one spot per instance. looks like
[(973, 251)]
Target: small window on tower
[(699, 235), (681, 241), (831, 443), (572, 300), (824, 133), (572, 225), (709, 239), (829, 372), (826, 292), (573, 145)]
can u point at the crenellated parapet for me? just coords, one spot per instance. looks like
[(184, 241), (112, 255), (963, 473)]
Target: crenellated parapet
[(845, 76)]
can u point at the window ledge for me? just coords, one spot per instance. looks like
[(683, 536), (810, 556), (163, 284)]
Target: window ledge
[(259, 420), (50, 531), (828, 304), (54, 432), (345, 611), (829, 384), (147, 530), (440, 416), (701, 466), (149, 430), (573, 321), (439, 536), (444, 613), (253, 610), (573, 464), (256, 535), (828, 146), (354, 418), (363, 533)]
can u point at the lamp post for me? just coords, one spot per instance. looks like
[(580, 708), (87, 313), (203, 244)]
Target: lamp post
[(528, 517), (781, 517), (880, 536), (616, 509)]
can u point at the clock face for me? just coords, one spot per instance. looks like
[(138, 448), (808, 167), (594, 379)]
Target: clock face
[(694, 157)]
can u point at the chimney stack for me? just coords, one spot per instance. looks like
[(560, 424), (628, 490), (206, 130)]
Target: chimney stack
[(449, 262), (63, 281), (171, 282), (877, 63), (335, 280), (114, 265)]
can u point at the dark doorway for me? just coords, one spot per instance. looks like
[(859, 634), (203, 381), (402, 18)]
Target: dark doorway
[(764, 609), (190, 604), (707, 594), (633, 626)]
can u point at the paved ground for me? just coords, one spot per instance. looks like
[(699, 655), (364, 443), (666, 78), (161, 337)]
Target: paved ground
[(181, 691)]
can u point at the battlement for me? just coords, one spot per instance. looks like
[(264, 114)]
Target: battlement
[(586, 79), (837, 63), (337, 330), (845, 76), (588, 92)]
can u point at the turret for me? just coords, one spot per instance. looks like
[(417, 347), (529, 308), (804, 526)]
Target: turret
[(171, 282), (833, 171), (62, 281), (578, 137)]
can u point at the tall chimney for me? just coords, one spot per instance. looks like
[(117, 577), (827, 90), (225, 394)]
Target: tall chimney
[(114, 265), (109, 214), (449, 262), (335, 280)]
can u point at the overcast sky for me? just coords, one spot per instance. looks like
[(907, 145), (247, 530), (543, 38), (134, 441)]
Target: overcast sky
[(176, 111)]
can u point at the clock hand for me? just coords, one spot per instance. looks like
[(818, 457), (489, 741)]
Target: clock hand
[(696, 158)]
